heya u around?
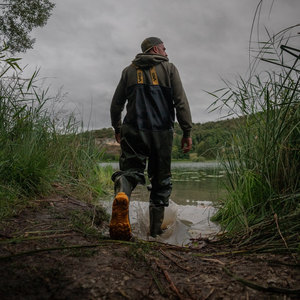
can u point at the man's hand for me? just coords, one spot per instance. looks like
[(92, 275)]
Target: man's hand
[(118, 137), (188, 142)]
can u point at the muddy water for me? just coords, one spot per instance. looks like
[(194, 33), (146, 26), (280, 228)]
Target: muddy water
[(195, 187)]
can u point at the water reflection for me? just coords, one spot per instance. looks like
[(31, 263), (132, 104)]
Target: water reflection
[(197, 184), (195, 187), (193, 183)]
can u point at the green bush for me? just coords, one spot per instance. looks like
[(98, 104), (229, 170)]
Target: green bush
[(198, 159)]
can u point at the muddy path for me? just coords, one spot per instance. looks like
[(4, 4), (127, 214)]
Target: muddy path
[(55, 249)]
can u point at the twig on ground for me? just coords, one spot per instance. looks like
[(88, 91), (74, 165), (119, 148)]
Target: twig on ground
[(57, 259), (214, 260), (209, 294), (5, 236), (53, 230), (174, 261), (123, 294), (166, 246), (224, 253), (174, 288), (50, 200), (34, 238), (276, 221), (160, 288), (189, 292), (195, 275), (94, 214), (177, 255)]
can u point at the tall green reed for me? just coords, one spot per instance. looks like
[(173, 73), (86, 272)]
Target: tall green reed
[(263, 159), (39, 149)]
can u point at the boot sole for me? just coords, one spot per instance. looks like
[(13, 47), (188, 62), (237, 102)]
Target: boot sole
[(119, 228)]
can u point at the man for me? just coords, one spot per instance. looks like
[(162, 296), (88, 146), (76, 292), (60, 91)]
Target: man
[(152, 87)]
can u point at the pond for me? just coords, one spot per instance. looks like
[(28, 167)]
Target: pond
[(195, 187)]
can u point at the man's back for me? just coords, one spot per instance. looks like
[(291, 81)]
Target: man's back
[(151, 102)]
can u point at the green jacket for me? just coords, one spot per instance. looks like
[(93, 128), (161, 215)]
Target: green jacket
[(151, 103)]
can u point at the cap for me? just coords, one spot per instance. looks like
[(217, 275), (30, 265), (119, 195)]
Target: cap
[(150, 42)]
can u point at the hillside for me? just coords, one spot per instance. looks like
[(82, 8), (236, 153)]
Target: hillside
[(207, 137)]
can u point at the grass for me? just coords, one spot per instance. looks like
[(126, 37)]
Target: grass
[(262, 160), (85, 220), (42, 148)]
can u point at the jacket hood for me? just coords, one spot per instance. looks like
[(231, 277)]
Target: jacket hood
[(146, 60)]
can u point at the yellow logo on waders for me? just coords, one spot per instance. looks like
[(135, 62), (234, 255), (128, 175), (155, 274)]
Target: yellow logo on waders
[(153, 75), (140, 76)]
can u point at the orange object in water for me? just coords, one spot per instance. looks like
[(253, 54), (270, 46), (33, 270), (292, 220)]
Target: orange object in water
[(119, 228)]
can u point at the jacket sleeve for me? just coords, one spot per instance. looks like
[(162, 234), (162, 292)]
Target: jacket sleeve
[(117, 106), (181, 104)]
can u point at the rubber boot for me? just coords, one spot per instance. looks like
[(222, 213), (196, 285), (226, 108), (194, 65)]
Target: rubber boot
[(156, 219), (119, 228), (122, 184)]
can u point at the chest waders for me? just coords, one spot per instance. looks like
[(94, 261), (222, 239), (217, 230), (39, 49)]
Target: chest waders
[(147, 134)]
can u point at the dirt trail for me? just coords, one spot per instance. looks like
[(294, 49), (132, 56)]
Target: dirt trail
[(83, 264)]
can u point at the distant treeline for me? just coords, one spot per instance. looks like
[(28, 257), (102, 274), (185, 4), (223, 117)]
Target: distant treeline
[(208, 138)]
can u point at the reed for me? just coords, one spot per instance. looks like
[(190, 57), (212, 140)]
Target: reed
[(262, 160), (41, 148)]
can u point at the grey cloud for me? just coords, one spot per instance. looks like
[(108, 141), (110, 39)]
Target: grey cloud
[(86, 45)]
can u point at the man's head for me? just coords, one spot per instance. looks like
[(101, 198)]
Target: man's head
[(153, 45)]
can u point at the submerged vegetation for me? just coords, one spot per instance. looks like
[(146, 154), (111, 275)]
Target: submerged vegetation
[(40, 148), (262, 160)]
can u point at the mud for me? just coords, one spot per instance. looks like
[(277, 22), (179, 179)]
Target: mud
[(82, 263)]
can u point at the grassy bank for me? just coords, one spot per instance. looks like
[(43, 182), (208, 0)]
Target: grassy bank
[(263, 159), (40, 148)]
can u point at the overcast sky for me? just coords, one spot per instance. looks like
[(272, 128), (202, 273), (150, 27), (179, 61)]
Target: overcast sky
[(86, 44)]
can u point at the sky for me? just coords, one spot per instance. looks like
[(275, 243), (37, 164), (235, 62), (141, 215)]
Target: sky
[(85, 45)]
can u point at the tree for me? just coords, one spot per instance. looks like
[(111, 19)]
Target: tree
[(175, 152), (18, 18), (204, 149)]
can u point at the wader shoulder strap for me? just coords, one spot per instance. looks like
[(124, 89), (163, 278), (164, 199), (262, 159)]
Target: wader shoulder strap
[(153, 76), (140, 78)]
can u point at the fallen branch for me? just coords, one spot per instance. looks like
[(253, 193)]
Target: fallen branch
[(174, 288)]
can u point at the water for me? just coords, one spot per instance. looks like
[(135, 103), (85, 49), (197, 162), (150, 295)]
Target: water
[(195, 187)]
